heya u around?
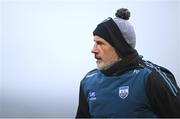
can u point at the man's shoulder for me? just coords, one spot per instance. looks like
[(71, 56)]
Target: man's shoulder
[(91, 73)]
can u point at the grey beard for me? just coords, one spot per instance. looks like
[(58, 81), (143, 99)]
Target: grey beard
[(107, 66)]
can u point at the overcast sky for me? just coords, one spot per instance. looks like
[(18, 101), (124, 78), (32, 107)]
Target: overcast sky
[(45, 48)]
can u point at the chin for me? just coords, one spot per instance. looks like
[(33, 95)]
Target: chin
[(103, 66)]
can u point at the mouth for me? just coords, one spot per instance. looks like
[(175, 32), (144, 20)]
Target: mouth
[(99, 59)]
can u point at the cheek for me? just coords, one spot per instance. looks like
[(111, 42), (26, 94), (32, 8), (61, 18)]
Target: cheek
[(111, 55), (107, 56)]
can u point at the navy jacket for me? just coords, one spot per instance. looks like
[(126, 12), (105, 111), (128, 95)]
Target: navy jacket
[(127, 90)]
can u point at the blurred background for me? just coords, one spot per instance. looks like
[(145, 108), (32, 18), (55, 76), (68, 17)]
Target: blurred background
[(45, 49)]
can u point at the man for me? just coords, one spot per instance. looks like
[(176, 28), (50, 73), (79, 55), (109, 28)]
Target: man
[(122, 85)]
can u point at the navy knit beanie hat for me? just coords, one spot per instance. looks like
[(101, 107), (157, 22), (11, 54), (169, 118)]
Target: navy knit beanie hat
[(118, 32)]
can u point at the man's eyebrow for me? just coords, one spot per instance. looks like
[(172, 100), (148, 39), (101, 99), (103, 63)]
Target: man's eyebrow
[(99, 42)]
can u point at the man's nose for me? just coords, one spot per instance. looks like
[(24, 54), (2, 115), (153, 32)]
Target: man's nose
[(94, 49)]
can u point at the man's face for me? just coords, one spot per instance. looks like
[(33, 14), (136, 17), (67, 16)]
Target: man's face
[(104, 53)]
